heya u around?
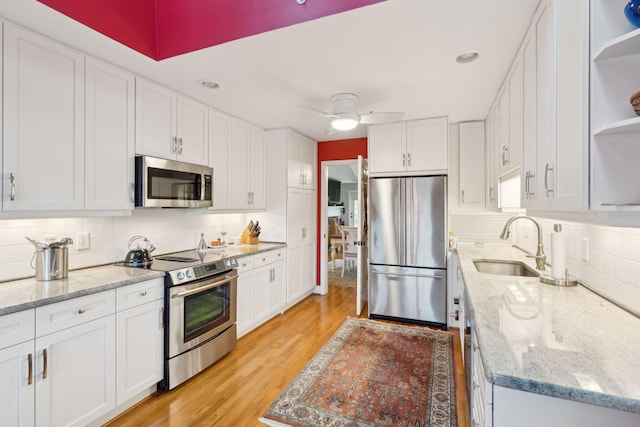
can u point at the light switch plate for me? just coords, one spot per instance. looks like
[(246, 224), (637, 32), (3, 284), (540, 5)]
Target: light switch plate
[(83, 240)]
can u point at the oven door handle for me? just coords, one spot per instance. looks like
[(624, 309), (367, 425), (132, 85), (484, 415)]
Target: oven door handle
[(204, 288)]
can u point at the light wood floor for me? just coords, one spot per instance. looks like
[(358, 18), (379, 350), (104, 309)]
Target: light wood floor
[(239, 388)]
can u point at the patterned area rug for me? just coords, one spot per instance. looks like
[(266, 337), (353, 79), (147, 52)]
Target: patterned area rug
[(373, 374)]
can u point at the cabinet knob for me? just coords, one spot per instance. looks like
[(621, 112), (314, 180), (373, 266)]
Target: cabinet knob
[(143, 293), (82, 311)]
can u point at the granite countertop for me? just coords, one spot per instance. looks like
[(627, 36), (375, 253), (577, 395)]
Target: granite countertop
[(23, 294), (566, 342)]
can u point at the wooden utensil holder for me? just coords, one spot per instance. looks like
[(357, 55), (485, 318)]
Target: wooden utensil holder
[(247, 239)]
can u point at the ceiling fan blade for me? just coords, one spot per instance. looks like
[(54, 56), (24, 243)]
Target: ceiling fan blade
[(320, 112), (376, 118)]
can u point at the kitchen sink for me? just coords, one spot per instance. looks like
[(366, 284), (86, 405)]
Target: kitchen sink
[(504, 268)]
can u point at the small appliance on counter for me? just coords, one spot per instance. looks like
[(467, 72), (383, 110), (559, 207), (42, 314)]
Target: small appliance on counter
[(138, 256), (51, 259)]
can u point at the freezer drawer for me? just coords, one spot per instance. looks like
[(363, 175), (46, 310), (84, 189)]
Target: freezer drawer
[(416, 294)]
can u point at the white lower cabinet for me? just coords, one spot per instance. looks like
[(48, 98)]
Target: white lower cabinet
[(139, 338), (71, 363), (481, 390), (17, 388), (75, 374), (261, 289)]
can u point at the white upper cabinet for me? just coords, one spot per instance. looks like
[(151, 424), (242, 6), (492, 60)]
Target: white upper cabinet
[(555, 107), (491, 156), (615, 128), (418, 146), (237, 156), (472, 135), (301, 160), (219, 139), (43, 124), (110, 129), (246, 167), (169, 125)]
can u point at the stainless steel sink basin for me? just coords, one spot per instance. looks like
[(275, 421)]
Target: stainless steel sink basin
[(504, 268)]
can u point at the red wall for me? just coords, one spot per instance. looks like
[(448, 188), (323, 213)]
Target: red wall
[(343, 149)]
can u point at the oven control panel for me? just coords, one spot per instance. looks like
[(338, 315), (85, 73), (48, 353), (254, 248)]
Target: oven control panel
[(188, 274)]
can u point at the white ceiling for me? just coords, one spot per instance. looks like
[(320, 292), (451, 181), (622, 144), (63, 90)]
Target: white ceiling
[(397, 55)]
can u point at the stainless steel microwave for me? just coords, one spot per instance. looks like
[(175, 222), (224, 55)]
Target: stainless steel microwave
[(171, 184)]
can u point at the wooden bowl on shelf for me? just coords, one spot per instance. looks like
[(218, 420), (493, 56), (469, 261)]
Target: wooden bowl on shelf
[(635, 102)]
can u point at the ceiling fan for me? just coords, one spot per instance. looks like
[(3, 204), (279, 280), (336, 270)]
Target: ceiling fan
[(346, 117)]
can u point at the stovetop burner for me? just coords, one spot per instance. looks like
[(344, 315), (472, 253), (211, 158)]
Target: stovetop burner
[(186, 266)]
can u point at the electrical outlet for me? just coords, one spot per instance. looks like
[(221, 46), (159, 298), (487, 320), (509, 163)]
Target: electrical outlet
[(585, 248), (83, 240)]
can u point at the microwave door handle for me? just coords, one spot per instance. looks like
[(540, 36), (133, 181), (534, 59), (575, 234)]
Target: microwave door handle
[(204, 288)]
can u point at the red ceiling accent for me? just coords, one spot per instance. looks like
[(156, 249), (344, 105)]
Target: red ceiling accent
[(161, 29)]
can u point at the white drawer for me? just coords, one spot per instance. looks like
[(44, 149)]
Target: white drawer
[(268, 257), (65, 314), (245, 263), (139, 293), (17, 327)]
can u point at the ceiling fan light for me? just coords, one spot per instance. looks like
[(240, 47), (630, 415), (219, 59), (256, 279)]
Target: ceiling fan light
[(345, 122)]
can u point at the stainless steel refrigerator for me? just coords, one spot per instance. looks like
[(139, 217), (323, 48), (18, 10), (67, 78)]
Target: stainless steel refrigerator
[(407, 249)]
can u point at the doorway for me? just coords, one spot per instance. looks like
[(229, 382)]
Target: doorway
[(339, 183)]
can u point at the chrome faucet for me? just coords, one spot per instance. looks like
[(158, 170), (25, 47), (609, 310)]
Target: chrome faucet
[(539, 256)]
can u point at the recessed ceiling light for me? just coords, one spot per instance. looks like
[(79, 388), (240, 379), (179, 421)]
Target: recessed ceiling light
[(463, 58), (208, 84)]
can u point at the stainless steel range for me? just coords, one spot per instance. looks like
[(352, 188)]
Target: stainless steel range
[(200, 312)]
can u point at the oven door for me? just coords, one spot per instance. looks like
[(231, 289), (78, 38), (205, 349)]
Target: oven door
[(200, 310)]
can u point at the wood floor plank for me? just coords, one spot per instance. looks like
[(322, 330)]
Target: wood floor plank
[(240, 387)]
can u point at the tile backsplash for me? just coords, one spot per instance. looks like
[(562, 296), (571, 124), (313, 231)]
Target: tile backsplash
[(604, 258), (169, 230)]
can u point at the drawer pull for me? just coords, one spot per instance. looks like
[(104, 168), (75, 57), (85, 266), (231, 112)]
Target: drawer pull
[(30, 360), (143, 294), (82, 311), (44, 369)]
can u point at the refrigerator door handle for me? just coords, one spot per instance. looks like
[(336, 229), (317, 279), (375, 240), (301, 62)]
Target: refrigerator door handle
[(428, 276)]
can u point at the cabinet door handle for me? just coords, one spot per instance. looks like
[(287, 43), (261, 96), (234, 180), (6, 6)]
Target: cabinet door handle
[(133, 192), (274, 274), (12, 179), (143, 293), (45, 368), (404, 160), (161, 316), (462, 196), (180, 145), (30, 361), (409, 160), (491, 197), (82, 311), (174, 144), (548, 168)]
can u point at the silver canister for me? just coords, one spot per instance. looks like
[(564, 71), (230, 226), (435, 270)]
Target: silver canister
[(51, 262)]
